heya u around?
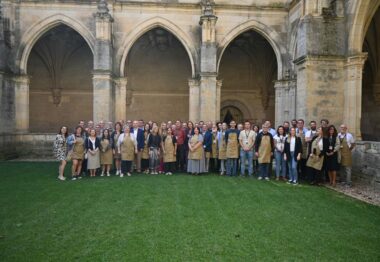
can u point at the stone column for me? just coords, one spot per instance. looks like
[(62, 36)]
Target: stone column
[(285, 108), (208, 74), (194, 100), (353, 93), (120, 98), (103, 103), (218, 98), (21, 85)]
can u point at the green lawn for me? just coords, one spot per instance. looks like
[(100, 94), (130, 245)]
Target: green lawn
[(177, 218)]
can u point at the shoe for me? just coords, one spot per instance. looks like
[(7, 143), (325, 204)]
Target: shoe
[(61, 178), (277, 179), (74, 178), (259, 178), (295, 183), (170, 173), (79, 177), (290, 181), (108, 174), (121, 175), (102, 174), (267, 179), (128, 174)]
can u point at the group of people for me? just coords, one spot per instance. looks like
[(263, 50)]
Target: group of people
[(313, 154)]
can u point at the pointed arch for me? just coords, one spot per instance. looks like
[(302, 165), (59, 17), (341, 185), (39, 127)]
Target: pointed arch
[(34, 33), (268, 33), (146, 26)]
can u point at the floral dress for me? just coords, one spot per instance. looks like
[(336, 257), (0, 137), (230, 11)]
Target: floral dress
[(60, 147)]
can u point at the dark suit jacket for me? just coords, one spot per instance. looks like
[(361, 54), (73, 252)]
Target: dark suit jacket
[(297, 148), (140, 138)]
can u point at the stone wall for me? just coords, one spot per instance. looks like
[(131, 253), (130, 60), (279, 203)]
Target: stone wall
[(366, 164)]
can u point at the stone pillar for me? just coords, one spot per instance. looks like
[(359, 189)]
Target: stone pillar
[(102, 76), (218, 98), (194, 100), (208, 74), (353, 93), (21, 85), (285, 109), (120, 98)]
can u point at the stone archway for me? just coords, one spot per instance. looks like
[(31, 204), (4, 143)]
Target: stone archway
[(158, 68), (248, 68), (370, 121), (229, 113), (60, 68)]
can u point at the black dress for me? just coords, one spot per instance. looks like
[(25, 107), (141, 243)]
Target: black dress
[(331, 161)]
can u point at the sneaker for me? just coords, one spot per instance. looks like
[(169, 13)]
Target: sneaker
[(295, 183), (61, 178), (121, 175), (290, 181), (128, 174), (108, 174), (260, 178), (267, 179), (170, 173), (102, 174), (74, 178)]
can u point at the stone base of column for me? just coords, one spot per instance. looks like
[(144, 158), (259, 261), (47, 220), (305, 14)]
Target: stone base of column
[(103, 107)]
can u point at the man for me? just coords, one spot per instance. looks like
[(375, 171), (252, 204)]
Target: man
[(81, 123), (141, 124), (90, 124), (286, 126), (301, 133), (312, 132), (232, 142), (180, 135), (347, 144), (294, 123), (247, 140), (207, 144), (264, 147), (139, 136)]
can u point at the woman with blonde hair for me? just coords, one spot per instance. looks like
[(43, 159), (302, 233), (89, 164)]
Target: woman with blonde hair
[(76, 154), (60, 151)]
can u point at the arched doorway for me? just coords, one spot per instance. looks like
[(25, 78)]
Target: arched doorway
[(59, 66), (229, 113), (370, 124), (248, 68), (158, 68)]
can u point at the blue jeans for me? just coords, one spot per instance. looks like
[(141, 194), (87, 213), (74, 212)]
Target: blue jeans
[(231, 166), (280, 164), (292, 164), (264, 169), (243, 156)]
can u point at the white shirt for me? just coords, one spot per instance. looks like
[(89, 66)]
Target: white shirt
[(121, 138), (135, 130), (349, 138), (292, 144), (320, 144), (310, 134)]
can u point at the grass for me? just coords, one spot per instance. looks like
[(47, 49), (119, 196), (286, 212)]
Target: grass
[(177, 218)]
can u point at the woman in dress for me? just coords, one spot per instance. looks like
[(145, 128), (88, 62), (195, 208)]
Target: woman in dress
[(76, 154), (279, 147), (145, 152), (60, 151), (222, 148), (293, 153), (332, 165), (255, 129), (214, 149), (194, 163), (127, 147), (106, 154), (93, 156), (114, 138), (169, 149), (154, 145)]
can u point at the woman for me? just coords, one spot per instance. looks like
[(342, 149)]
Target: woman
[(162, 131), (106, 153), (279, 146), (115, 137), (93, 156), (145, 152), (60, 151), (169, 149), (76, 142), (293, 152), (214, 148), (317, 148), (154, 144), (127, 147), (332, 164), (222, 148), (255, 129), (194, 163)]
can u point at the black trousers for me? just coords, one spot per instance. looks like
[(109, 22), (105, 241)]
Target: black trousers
[(169, 167), (181, 158), (144, 164), (315, 176), (126, 166), (302, 171)]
